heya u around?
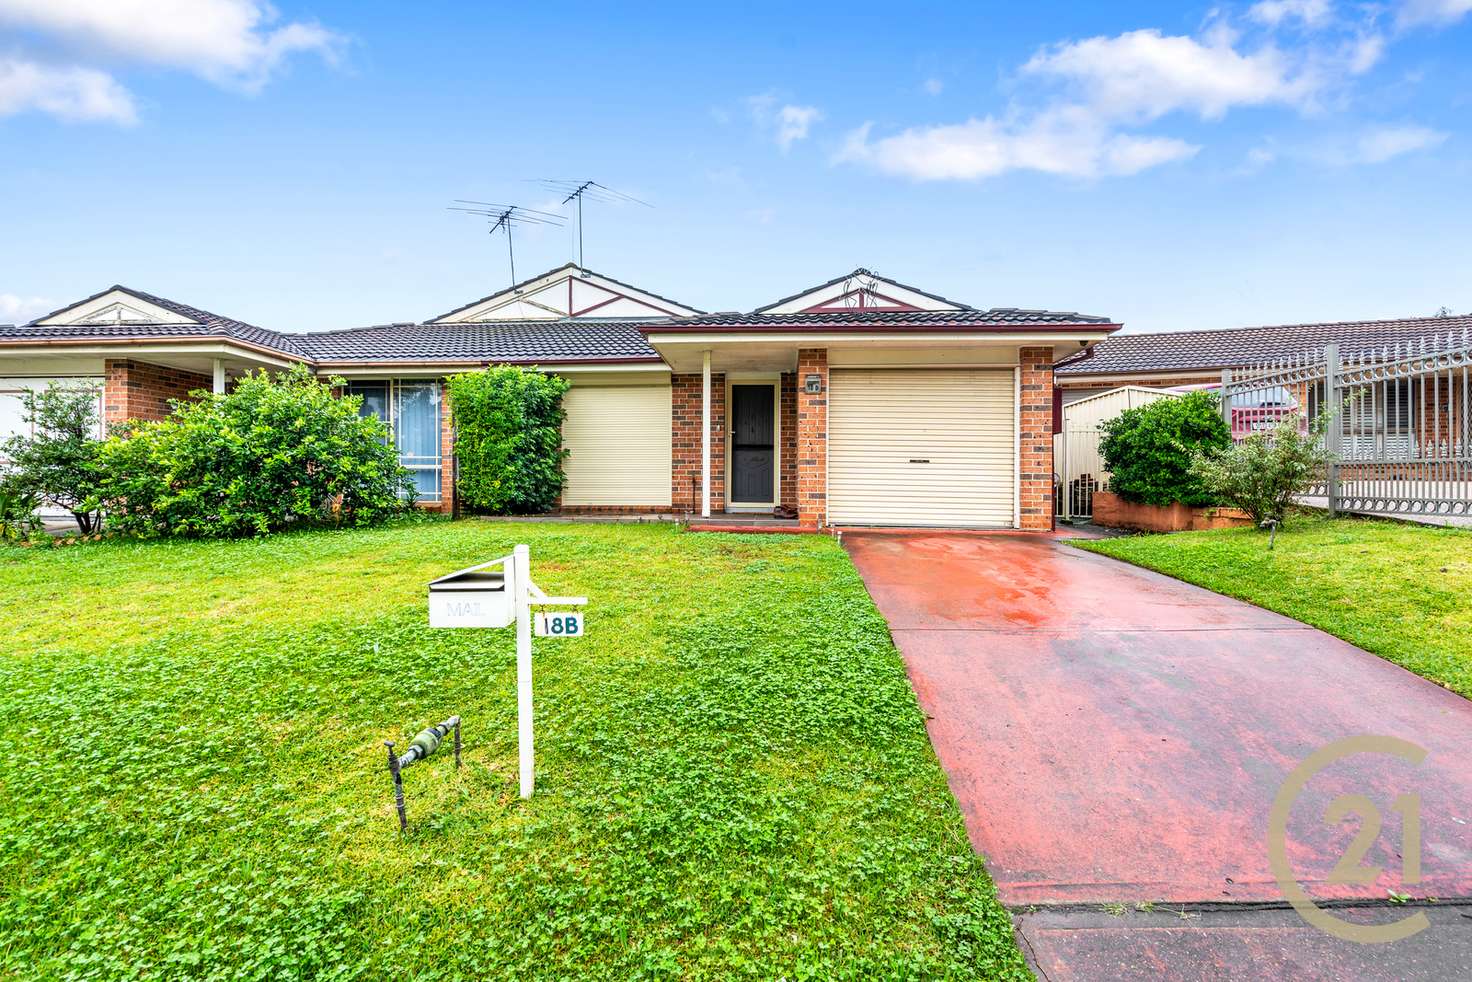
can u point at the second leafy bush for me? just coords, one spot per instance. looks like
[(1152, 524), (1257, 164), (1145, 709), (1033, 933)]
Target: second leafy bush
[(508, 439), (1149, 450)]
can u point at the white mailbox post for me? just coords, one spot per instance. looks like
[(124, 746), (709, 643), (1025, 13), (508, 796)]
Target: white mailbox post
[(494, 595)]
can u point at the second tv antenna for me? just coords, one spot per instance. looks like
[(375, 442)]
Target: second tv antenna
[(593, 191)]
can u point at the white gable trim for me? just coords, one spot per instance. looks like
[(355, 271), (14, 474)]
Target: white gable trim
[(113, 307), (567, 292), (864, 290)]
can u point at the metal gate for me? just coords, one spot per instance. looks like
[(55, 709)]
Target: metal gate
[(1402, 437), (1080, 466)]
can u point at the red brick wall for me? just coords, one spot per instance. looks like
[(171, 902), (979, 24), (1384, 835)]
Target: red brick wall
[(685, 399), (1035, 438), (139, 390), (447, 455), (788, 425), (812, 440)]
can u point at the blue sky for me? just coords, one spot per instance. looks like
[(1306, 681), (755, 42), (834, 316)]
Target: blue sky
[(1172, 165)]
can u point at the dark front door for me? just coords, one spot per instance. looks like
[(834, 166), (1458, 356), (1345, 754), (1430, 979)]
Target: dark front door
[(753, 444)]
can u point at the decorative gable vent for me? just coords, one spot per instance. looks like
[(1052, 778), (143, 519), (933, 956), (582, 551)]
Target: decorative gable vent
[(569, 292), (859, 290)]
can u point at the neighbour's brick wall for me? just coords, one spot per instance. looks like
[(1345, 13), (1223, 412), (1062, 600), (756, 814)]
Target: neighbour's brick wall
[(787, 423), (140, 390), (1437, 404), (1035, 439), (812, 440), (685, 398)]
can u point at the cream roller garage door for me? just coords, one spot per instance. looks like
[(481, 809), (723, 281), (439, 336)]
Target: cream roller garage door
[(921, 447), (619, 438)]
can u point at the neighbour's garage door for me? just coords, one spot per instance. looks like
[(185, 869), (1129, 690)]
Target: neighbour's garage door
[(12, 409), (619, 438), (921, 447)]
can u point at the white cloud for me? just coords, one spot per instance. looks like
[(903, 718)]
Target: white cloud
[(787, 123), (1068, 141), (793, 123), (1382, 143), (235, 42), (66, 92), (1364, 53), (16, 309), (1312, 13), (1112, 85), (1143, 75), (1438, 13), (933, 86)]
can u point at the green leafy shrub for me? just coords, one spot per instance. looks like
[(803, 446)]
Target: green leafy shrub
[(18, 521), (58, 463), (508, 439), (1265, 472), (276, 453), (1149, 449)]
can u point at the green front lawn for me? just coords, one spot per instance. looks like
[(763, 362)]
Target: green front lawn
[(734, 777), (1399, 590)]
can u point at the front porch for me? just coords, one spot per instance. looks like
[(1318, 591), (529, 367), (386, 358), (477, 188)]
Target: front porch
[(952, 434)]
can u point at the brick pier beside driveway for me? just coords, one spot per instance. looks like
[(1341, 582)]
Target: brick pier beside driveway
[(1117, 737)]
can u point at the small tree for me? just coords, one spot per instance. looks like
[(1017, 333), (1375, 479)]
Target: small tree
[(1148, 450), (58, 462), (508, 439), (1266, 471), (277, 452)]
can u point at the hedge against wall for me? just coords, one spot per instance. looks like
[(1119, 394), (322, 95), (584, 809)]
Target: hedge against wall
[(508, 439)]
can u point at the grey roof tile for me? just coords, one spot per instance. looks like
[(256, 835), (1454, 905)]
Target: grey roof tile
[(543, 341), (1242, 346)]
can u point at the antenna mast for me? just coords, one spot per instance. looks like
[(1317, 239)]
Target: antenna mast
[(505, 218), (578, 190)]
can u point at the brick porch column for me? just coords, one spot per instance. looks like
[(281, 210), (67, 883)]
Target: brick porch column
[(1035, 439), (812, 439), (139, 390), (447, 452), (685, 397)]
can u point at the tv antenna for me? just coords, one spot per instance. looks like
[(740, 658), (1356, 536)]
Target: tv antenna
[(508, 217), (593, 191)]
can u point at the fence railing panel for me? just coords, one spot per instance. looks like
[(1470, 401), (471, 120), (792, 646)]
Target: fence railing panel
[(1400, 426)]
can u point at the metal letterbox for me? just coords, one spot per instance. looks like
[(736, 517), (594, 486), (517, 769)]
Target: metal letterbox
[(480, 596)]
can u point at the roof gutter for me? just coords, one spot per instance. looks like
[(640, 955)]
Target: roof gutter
[(151, 341), (872, 328)]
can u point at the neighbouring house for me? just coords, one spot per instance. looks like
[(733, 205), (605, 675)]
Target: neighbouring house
[(1402, 432), (860, 401), (1196, 359)]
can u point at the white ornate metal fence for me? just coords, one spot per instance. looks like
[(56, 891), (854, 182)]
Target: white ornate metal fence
[(1402, 432)]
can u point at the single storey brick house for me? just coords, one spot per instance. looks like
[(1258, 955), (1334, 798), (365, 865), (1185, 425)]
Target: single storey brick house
[(860, 401)]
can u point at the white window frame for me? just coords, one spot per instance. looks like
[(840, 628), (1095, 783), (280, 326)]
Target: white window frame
[(416, 462)]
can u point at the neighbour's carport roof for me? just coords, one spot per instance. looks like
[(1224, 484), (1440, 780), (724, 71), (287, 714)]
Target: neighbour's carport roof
[(1184, 351)]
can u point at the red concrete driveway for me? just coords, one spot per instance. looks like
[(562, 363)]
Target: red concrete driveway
[(1115, 735)]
